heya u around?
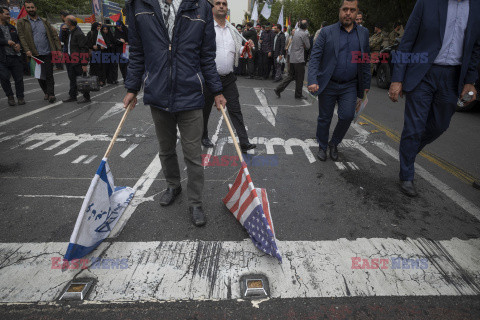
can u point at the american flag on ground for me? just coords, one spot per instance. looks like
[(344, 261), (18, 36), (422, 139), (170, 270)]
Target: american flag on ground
[(251, 208)]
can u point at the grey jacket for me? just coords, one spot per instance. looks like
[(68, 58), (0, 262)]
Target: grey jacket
[(300, 43)]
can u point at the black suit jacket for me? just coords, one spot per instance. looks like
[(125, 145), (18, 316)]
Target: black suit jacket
[(4, 42), (78, 44), (279, 49), (251, 35)]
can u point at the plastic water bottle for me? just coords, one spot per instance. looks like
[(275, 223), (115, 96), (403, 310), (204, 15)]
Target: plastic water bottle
[(466, 98)]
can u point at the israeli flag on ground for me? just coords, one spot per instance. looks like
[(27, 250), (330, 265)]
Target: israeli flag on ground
[(101, 209)]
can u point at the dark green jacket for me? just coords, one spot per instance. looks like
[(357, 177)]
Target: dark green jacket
[(25, 34)]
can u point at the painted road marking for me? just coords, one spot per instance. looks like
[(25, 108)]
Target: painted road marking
[(89, 160), (130, 149), (267, 111), (202, 270), (442, 187), (117, 108), (19, 134), (79, 159), (340, 165), (49, 196), (353, 166), (65, 123), (61, 139), (142, 186), (20, 117)]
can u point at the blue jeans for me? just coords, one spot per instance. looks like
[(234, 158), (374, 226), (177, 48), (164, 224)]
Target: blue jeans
[(346, 97), (12, 66), (428, 111)]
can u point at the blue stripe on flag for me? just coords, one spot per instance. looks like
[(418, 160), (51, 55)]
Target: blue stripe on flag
[(76, 251), (102, 172)]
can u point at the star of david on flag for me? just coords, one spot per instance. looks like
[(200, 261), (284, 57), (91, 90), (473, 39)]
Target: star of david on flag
[(101, 209), (250, 207)]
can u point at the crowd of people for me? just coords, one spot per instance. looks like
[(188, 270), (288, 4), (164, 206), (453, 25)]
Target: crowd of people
[(34, 38)]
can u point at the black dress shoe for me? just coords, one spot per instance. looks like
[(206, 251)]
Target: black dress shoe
[(169, 196), (322, 155), (248, 146), (84, 100), (277, 93), (198, 216), (333, 152), (69, 100), (21, 101), (408, 188), (52, 99), (207, 143), (301, 98), (45, 97)]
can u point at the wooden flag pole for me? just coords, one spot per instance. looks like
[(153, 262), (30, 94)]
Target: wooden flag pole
[(119, 128), (239, 151)]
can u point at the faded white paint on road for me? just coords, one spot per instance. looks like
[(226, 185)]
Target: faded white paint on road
[(211, 270)]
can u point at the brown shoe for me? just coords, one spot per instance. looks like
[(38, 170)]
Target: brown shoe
[(46, 97), (11, 101), (21, 101), (52, 99)]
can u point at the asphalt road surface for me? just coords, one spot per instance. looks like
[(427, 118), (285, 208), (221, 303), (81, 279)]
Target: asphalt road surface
[(353, 246)]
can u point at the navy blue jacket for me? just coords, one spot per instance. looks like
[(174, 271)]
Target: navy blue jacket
[(424, 33), (323, 59), (174, 73), (4, 42)]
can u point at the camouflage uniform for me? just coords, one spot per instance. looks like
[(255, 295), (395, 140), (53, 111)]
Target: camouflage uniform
[(376, 42), (394, 35)]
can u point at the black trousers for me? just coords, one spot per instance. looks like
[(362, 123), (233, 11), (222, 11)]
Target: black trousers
[(73, 72), (265, 65), (47, 85), (251, 65), (123, 70), (296, 72), (230, 92), (12, 66)]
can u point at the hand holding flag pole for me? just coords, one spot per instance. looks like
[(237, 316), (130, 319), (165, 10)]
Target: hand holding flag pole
[(119, 128), (102, 206), (250, 205)]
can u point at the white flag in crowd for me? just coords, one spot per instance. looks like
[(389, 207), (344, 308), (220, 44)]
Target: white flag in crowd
[(267, 9), (280, 18), (255, 12)]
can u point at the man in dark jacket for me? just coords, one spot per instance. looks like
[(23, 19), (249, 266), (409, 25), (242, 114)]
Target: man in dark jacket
[(174, 68), (38, 39), (77, 50), (266, 51), (278, 51), (10, 59), (251, 34)]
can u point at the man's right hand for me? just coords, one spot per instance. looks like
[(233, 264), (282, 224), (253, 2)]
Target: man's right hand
[(11, 43), (220, 102), (29, 53), (395, 91), (313, 88), (129, 97)]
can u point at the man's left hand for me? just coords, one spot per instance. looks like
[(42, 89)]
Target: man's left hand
[(16, 48), (85, 69), (466, 89)]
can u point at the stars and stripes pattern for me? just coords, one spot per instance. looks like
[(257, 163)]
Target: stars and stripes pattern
[(250, 207)]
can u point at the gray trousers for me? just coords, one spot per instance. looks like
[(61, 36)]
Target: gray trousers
[(190, 124)]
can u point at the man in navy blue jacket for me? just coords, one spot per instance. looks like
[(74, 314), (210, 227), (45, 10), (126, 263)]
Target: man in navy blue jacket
[(446, 33), (172, 52), (336, 78)]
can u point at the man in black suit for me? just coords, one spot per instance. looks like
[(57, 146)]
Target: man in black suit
[(251, 34), (278, 51), (77, 50)]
